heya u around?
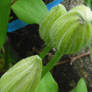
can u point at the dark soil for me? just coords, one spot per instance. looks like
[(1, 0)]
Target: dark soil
[(26, 41)]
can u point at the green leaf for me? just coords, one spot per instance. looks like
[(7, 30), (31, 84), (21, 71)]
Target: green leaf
[(81, 86), (30, 11), (47, 84), (89, 3), (4, 16), (22, 77)]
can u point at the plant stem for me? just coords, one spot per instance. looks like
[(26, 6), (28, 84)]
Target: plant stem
[(89, 4), (90, 50), (51, 63), (45, 51)]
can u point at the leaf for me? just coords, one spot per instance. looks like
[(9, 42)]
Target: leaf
[(30, 11), (89, 2), (22, 77), (4, 16), (47, 84), (81, 86)]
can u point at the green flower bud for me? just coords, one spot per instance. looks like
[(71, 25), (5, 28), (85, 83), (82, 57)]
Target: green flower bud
[(87, 13), (77, 37), (48, 21), (30, 11), (22, 77), (70, 32)]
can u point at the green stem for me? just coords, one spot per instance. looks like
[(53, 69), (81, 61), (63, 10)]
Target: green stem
[(45, 51), (89, 4), (53, 61), (90, 50)]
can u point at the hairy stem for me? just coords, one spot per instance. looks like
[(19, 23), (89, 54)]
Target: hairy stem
[(51, 63), (45, 51)]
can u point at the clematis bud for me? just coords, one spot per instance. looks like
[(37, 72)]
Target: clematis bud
[(22, 77)]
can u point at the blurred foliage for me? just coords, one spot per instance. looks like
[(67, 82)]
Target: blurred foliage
[(89, 3)]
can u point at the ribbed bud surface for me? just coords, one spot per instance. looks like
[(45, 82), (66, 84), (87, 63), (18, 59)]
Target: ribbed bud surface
[(22, 77), (70, 32), (48, 21)]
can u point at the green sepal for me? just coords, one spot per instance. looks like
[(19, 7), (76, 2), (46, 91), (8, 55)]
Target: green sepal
[(49, 19), (30, 11), (22, 77)]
